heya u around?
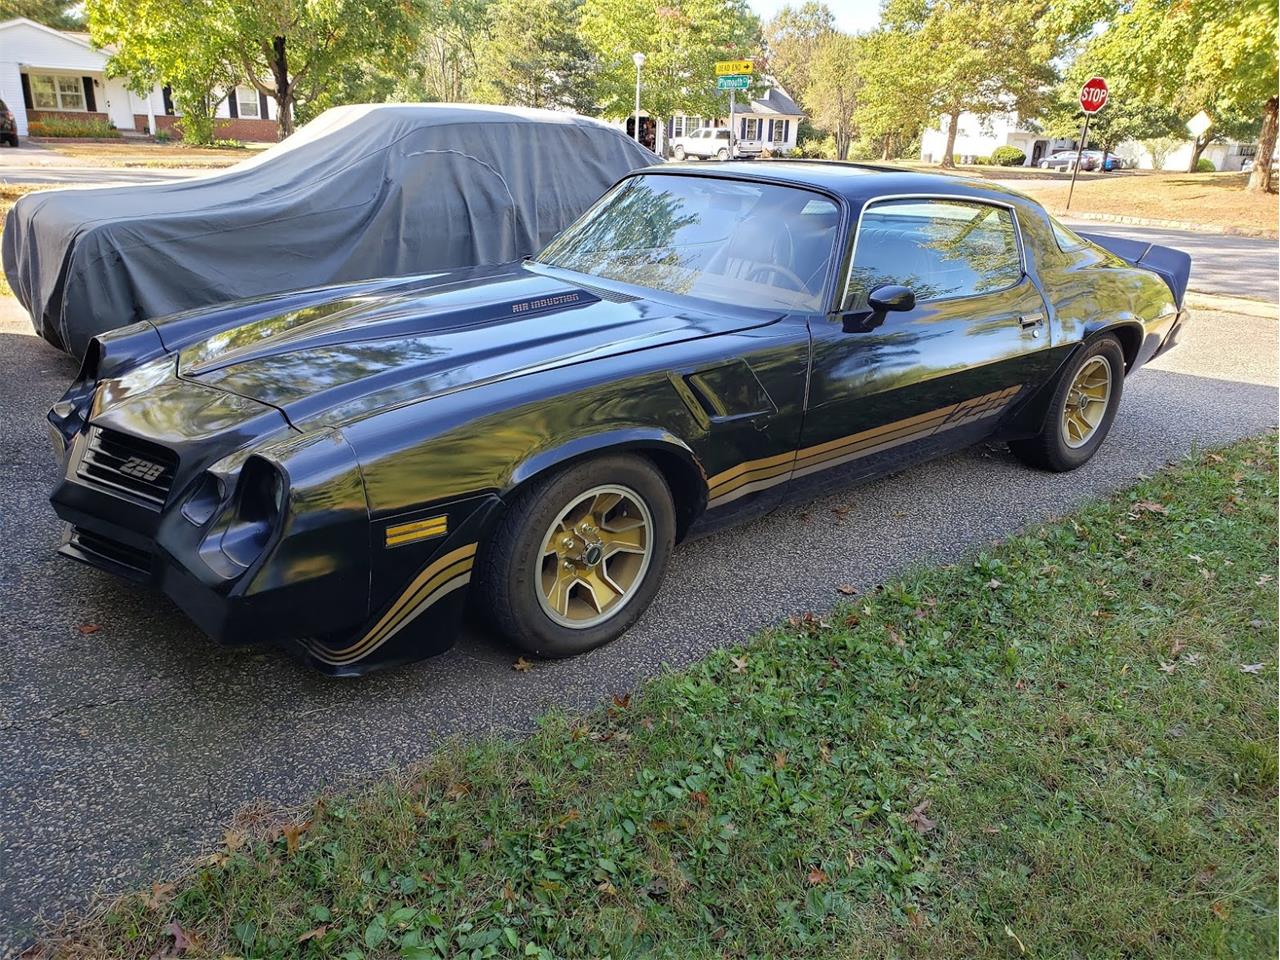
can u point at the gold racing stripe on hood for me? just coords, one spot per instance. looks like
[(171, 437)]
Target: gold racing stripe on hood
[(437, 578), (753, 475)]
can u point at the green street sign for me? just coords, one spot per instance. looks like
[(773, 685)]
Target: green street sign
[(732, 83)]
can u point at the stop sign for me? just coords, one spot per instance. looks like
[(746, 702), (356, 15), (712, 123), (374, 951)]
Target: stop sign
[(1093, 95)]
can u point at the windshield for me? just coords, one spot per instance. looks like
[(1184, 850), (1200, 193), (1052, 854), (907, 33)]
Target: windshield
[(735, 242)]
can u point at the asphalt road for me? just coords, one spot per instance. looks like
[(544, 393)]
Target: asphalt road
[(124, 751)]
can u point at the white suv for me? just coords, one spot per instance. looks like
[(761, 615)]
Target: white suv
[(708, 142)]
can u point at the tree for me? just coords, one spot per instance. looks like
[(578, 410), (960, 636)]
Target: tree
[(59, 14), (893, 104), (290, 49), (443, 62), (831, 97), (791, 40), (974, 56), (535, 57), (681, 40), (1218, 56), (166, 42)]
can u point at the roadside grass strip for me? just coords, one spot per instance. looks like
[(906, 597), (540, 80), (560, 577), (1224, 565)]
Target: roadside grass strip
[(1063, 747)]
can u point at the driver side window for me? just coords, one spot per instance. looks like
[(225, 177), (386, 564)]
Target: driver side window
[(940, 249)]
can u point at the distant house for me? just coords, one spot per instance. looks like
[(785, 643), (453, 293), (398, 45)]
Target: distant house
[(979, 136), (46, 73), (772, 118)]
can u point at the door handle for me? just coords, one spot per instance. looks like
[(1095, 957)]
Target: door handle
[(1031, 320)]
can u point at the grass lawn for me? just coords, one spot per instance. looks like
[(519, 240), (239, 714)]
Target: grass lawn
[(1063, 747), (155, 155), (1216, 199)]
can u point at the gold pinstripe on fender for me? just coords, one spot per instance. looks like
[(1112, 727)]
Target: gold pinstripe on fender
[(436, 579), (753, 475)]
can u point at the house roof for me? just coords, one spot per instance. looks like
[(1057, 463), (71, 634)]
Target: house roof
[(776, 100), (71, 35)]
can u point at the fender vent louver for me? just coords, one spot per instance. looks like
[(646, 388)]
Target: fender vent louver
[(128, 467)]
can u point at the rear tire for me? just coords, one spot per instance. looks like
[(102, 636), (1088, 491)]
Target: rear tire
[(11, 139), (564, 572), (1080, 412), (1044, 164)]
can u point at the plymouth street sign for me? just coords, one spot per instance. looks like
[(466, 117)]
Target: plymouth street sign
[(732, 83), (726, 68)]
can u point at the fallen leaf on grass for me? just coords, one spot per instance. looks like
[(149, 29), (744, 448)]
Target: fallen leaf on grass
[(848, 589), (895, 638), (1220, 910), (739, 664), (313, 933), (1250, 667), (293, 834), (456, 791), (699, 797), (621, 702), (521, 665), (233, 840), (816, 877), (158, 897), (994, 584), (1149, 506), (780, 760), (1167, 667), (182, 940), (918, 820), (916, 918)]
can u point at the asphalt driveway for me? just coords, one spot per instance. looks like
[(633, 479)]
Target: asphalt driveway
[(127, 740)]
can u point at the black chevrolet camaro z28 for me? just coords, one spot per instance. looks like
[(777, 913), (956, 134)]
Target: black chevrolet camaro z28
[(343, 469)]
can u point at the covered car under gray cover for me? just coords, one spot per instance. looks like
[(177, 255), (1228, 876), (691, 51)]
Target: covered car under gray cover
[(362, 191)]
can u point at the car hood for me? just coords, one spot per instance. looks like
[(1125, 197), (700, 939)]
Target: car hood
[(361, 352)]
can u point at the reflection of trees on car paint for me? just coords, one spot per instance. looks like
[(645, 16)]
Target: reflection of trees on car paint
[(634, 242)]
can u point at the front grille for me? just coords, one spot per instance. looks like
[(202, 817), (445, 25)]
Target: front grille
[(99, 548), (136, 469)]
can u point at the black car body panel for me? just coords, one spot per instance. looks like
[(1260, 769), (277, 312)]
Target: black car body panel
[(321, 469)]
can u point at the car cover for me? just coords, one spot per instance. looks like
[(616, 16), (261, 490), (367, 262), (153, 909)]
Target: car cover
[(362, 191)]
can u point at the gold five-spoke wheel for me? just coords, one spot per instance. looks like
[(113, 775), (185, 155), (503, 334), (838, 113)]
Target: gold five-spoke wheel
[(595, 556), (1086, 402)]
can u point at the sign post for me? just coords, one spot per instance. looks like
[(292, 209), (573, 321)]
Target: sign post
[(733, 75), (1093, 97)]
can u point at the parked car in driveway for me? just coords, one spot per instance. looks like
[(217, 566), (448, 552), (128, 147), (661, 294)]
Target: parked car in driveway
[(343, 470), (1103, 161), (1066, 159), (8, 126), (361, 191), (713, 143)]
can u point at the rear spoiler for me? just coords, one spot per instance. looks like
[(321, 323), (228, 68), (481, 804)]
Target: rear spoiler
[(1172, 266)]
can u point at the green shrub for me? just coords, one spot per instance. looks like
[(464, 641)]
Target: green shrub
[(66, 127), (1008, 156), (1205, 165)]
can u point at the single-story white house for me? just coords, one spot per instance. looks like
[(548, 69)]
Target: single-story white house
[(773, 118), (979, 136), (47, 73)]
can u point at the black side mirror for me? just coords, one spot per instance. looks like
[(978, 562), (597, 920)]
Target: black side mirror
[(891, 297), (881, 301)]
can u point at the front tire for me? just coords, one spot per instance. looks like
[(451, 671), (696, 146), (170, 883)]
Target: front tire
[(1081, 411), (1044, 164), (722, 153), (579, 556), (678, 153)]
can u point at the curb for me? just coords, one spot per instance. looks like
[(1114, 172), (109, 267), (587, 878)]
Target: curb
[(1226, 231), (1263, 309)]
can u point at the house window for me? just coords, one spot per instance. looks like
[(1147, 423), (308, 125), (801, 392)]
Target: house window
[(779, 130), (56, 93), (683, 126), (247, 103), (751, 128)]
